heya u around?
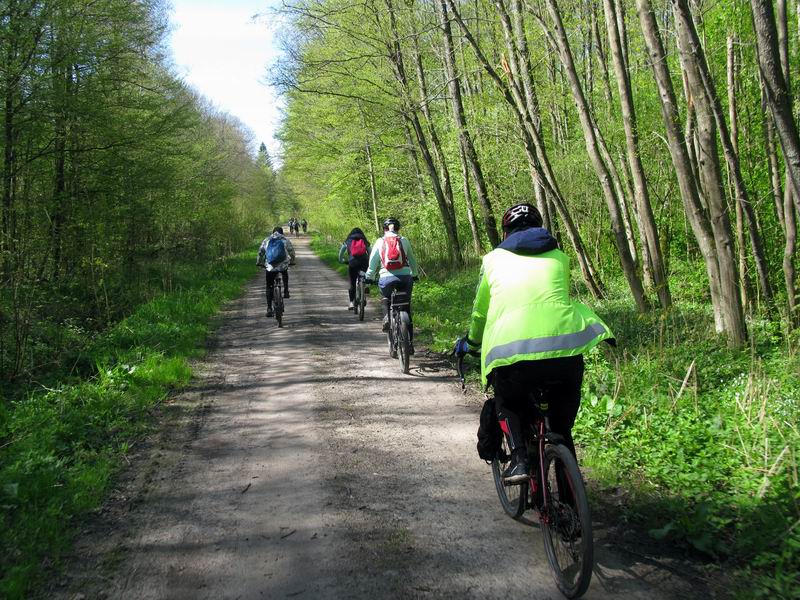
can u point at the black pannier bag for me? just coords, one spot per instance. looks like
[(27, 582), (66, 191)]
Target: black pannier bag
[(489, 432)]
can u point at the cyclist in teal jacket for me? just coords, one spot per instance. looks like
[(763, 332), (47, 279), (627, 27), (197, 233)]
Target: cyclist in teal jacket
[(392, 259)]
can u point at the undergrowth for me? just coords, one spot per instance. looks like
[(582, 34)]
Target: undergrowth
[(704, 439), (60, 446)]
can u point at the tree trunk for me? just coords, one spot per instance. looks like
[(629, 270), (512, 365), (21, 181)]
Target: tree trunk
[(464, 137), (789, 217), (647, 224), (712, 105), (744, 275), (411, 116), (725, 300), (534, 151), (531, 101), (711, 175), (601, 168), (778, 96)]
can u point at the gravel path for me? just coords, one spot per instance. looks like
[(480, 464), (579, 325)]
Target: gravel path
[(302, 464)]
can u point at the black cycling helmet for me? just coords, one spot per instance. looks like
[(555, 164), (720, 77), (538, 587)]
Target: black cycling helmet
[(391, 223), (521, 216), (278, 230)]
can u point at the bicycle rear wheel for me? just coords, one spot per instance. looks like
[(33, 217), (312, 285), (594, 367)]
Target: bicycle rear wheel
[(404, 341), (513, 498), (567, 526), (362, 299), (278, 304)]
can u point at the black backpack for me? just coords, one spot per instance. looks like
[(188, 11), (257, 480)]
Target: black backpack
[(489, 432)]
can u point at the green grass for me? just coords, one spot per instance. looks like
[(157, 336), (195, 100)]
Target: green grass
[(60, 448), (703, 438)]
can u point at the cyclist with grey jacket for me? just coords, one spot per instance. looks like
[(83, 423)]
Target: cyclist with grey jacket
[(273, 269)]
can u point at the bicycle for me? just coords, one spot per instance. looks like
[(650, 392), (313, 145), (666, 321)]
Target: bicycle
[(555, 491), (360, 300)]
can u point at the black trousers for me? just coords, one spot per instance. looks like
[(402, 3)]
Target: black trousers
[(512, 384), (271, 275), (354, 265)]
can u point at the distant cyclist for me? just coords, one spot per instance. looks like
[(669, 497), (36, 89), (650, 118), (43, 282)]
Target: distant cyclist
[(356, 248), (275, 255), (529, 331), (392, 258), (304, 223)]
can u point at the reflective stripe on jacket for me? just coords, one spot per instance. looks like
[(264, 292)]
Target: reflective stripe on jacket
[(522, 311)]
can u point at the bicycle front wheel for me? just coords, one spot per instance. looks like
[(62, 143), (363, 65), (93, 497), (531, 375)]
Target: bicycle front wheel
[(567, 523), (513, 498)]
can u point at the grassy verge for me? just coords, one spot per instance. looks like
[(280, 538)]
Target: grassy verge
[(60, 447), (703, 439)]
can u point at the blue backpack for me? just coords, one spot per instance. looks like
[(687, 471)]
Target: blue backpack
[(276, 251)]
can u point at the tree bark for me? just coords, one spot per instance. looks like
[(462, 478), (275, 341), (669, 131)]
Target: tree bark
[(710, 169), (531, 99)]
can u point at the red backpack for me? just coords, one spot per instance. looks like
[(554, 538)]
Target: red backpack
[(393, 256), (358, 247)]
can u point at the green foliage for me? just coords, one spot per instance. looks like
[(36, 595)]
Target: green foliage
[(60, 448)]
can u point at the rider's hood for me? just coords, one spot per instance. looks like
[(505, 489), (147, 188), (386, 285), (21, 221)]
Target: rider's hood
[(534, 240)]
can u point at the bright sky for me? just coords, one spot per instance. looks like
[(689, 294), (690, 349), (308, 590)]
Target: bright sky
[(224, 53)]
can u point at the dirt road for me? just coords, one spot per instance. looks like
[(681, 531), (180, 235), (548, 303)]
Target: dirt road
[(303, 464)]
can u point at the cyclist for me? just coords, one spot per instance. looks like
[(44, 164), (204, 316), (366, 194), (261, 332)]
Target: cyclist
[(392, 258), (528, 331), (356, 247), (304, 223), (275, 255)]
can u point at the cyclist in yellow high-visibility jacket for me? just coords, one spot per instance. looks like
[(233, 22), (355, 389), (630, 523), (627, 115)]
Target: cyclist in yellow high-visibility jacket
[(528, 330)]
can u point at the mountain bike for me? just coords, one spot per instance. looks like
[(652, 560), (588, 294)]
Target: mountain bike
[(277, 299), (360, 300), (556, 493), (399, 334)]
